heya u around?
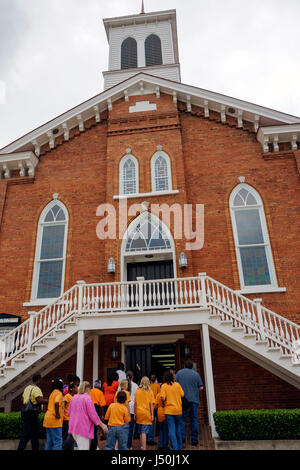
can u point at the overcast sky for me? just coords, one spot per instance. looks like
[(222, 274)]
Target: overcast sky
[(53, 52)]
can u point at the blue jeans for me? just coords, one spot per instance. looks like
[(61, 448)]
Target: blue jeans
[(150, 436), (54, 439), (163, 439), (192, 410), (117, 433), (174, 429), (130, 432)]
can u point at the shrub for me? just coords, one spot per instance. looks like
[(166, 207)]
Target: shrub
[(11, 426), (242, 425)]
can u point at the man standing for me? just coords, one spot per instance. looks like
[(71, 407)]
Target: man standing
[(191, 383), (31, 424)]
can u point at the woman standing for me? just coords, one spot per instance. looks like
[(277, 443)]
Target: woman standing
[(132, 388), (83, 417), (171, 394), (53, 419), (144, 409)]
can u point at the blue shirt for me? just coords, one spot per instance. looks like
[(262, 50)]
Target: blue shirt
[(190, 382)]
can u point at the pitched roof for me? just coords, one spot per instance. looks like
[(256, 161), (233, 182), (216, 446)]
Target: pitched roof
[(140, 84)]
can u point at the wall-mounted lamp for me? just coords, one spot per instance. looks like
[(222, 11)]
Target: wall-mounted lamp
[(111, 266), (114, 353), (182, 260), (185, 350)]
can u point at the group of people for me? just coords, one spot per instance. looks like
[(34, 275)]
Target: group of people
[(116, 411)]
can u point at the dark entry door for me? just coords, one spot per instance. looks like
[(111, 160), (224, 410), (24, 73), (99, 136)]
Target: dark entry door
[(151, 270), (138, 359), (158, 294)]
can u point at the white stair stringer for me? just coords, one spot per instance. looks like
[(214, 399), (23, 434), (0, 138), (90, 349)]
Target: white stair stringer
[(42, 354), (256, 351)]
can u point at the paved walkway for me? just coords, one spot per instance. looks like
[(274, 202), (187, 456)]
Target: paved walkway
[(205, 440)]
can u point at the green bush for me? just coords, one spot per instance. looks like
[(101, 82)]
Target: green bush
[(242, 425), (11, 426)]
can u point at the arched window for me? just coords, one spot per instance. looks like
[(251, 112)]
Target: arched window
[(129, 175), (161, 172), (153, 50), (48, 280), (254, 255), (147, 235), (129, 54)]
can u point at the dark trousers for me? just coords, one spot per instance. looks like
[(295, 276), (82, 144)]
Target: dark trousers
[(94, 441), (30, 431), (68, 440)]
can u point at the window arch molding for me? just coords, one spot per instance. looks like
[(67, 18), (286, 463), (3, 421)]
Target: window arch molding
[(153, 50), (168, 251), (129, 57), (50, 253), (161, 174), (251, 237), (129, 175)]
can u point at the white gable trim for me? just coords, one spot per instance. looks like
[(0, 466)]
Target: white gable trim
[(140, 84)]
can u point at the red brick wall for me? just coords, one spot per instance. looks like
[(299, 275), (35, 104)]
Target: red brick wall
[(207, 157)]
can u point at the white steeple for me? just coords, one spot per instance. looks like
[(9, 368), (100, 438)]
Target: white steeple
[(146, 42)]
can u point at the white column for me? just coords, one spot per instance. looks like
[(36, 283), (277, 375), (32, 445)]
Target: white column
[(95, 358), (209, 380), (80, 355)]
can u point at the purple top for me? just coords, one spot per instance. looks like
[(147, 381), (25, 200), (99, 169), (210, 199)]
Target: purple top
[(82, 416)]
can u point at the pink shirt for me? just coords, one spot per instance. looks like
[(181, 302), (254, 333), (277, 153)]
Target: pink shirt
[(82, 416)]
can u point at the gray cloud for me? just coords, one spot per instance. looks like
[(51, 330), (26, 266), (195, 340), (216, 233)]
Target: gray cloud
[(53, 52), (13, 26)]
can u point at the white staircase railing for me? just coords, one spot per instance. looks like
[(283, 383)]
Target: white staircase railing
[(181, 293), (257, 320)]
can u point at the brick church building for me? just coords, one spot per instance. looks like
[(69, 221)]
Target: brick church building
[(74, 299)]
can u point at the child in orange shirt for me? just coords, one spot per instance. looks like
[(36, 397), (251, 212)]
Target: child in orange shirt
[(163, 439), (155, 387), (124, 388), (144, 409), (117, 416)]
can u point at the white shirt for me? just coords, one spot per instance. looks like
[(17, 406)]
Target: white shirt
[(134, 388), (121, 374)]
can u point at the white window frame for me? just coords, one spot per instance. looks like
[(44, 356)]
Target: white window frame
[(158, 154), (36, 272), (121, 182), (273, 286)]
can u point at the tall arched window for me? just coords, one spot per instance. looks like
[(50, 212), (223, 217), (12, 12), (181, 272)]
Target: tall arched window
[(153, 51), (129, 183), (129, 54), (48, 279), (161, 172), (254, 255)]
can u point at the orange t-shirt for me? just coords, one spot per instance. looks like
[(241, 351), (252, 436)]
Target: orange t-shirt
[(97, 397), (50, 421), (161, 415), (143, 399), (128, 397), (155, 387), (67, 398), (117, 414), (173, 394)]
